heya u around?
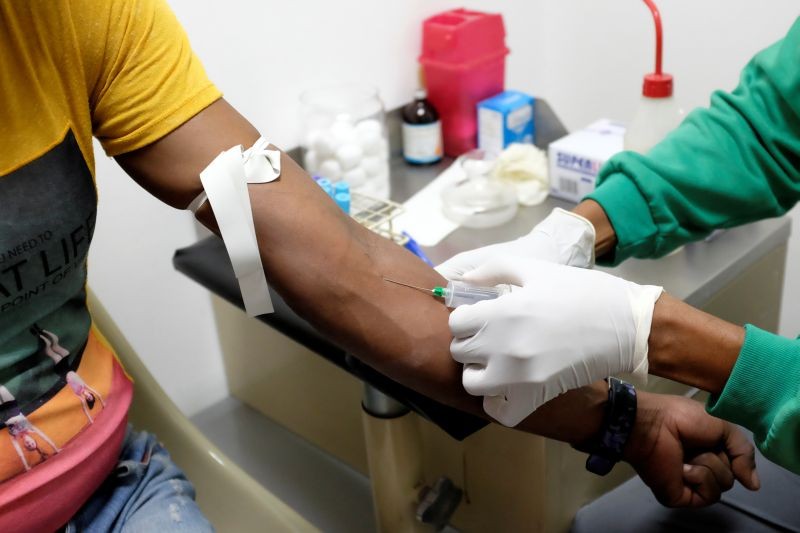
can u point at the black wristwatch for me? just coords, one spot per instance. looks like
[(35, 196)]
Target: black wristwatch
[(605, 450)]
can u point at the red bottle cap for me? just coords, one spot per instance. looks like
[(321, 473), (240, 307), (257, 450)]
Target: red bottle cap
[(657, 85)]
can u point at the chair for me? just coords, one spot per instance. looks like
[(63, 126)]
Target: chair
[(229, 497)]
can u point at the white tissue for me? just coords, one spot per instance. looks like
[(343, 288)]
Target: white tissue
[(524, 166)]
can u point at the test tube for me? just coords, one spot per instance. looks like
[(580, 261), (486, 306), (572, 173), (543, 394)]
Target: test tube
[(343, 200), (341, 186), (326, 185)]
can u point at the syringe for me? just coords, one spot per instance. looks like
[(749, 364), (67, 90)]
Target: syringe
[(459, 293)]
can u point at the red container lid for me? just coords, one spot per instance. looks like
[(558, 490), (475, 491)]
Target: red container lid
[(461, 36)]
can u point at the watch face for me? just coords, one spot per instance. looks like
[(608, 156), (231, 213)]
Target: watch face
[(597, 464)]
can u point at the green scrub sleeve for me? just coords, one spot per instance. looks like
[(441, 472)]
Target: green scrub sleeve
[(734, 162), (763, 395)]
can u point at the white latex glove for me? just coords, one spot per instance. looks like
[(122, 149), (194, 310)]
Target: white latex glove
[(564, 328), (562, 237)]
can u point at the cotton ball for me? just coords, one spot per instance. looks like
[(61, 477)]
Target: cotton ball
[(383, 176), (321, 142), (370, 135), (378, 187), (311, 161), (384, 149), (331, 169), (356, 177), (349, 156), (369, 128), (372, 165), (343, 132), (371, 143)]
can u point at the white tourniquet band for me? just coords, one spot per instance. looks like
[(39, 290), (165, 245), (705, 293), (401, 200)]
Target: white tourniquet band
[(225, 186)]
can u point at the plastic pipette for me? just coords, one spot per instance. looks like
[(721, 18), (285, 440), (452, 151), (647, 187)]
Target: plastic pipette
[(458, 293)]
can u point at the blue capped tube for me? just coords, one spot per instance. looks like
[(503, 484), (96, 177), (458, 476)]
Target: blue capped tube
[(342, 199)]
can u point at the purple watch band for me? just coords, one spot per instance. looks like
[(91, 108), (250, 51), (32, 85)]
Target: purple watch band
[(606, 449)]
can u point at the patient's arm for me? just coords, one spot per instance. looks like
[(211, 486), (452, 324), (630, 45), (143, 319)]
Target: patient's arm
[(330, 270)]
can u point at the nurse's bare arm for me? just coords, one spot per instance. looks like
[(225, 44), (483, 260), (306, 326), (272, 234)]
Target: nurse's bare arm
[(686, 344), (330, 270)]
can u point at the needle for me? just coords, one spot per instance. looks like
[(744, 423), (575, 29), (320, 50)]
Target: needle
[(407, 285)]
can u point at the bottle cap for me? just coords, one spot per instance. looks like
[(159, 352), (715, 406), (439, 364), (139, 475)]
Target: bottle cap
[(657, 85)]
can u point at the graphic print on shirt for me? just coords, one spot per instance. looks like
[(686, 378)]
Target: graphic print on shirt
[(58, 354), (47, 217), (23, 434)]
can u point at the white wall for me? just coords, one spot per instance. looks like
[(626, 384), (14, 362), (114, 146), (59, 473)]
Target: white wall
[(597, 52), (586, 57)]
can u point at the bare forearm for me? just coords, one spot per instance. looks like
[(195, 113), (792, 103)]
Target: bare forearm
[(605, 238), (691, 346)]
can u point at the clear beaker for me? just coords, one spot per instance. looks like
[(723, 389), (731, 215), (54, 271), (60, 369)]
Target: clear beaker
[(345, 138)]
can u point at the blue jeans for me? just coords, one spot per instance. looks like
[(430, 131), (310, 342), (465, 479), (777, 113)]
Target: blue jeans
[(146, 492)]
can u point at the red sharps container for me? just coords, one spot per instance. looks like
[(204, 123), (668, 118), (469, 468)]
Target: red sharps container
[(463, 60)]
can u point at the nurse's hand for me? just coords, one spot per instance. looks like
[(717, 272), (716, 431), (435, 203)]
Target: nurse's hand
[(563, 328), (563, 237), (687, 457)]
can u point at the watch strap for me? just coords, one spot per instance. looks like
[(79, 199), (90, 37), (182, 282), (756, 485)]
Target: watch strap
[(606, 449)]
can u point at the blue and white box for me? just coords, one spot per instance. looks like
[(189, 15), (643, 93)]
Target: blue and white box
[(504, 119), (576, 158)]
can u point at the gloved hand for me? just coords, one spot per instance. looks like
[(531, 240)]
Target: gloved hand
[(562, 237), (564, 328)]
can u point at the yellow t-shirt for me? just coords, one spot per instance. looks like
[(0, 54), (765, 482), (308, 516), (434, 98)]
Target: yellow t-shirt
[(121, 71)]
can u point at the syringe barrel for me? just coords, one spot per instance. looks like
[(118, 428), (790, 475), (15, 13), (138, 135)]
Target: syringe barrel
[(459, 293)]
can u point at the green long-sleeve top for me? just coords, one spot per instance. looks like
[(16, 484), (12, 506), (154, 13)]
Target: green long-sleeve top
[(734, 162)]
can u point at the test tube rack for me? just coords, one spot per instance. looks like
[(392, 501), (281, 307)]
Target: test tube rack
[(377, 215)]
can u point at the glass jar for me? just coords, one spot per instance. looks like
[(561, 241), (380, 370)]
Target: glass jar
[(345, 138)]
